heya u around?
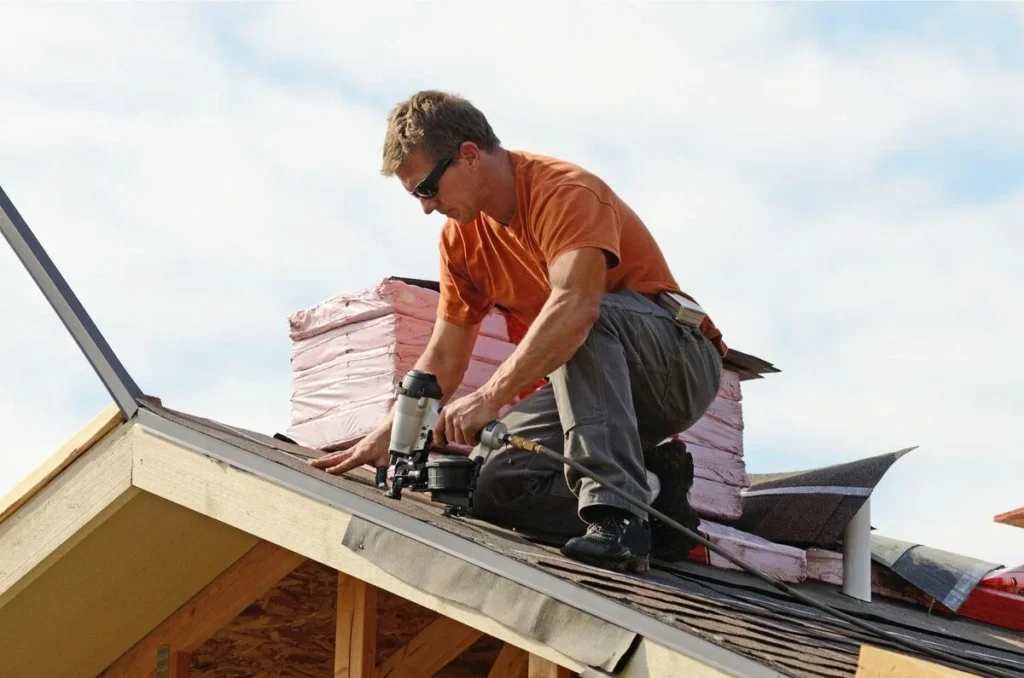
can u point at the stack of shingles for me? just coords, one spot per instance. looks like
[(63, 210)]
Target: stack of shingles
[(350, 351)]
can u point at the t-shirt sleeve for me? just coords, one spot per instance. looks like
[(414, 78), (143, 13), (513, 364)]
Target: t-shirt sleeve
[(461, 302), (574, 216)]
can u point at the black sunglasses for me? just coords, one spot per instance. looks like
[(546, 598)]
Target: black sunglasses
[(429, 186)]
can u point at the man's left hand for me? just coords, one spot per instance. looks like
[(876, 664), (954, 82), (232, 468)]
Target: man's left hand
[(462, 419)]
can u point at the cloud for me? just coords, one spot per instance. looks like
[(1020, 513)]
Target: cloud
[(199, 172)]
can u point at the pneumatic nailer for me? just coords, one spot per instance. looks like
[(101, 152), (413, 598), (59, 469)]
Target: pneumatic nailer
[(450, 478)]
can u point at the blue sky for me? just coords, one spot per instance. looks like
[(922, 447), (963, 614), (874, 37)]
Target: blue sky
[(841, 184)]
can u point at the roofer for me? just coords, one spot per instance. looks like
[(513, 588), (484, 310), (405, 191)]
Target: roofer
[(553, 245)]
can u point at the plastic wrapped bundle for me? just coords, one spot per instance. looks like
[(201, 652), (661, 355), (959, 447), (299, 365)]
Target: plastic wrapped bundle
[(350, 351)]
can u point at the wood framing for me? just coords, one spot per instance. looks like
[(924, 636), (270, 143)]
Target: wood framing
[(293, 521), (209, 610), (878, 663), (430, 651), (355, 640), (101, 425), (543, 668), (511, 663), (65, 511)]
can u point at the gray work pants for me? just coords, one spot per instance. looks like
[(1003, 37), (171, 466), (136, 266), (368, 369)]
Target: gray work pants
[(638, 378)]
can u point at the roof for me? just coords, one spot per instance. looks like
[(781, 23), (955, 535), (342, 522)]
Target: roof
[(728, 622), (732, 610)]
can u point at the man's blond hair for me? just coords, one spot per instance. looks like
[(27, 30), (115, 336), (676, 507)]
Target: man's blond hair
[(437, 122)]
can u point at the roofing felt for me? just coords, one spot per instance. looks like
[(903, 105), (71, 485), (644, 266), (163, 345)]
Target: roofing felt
[(811, 507), (731, 609), (947, 577)]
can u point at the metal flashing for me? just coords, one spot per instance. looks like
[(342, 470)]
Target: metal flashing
[(115, 378), (558, 589)]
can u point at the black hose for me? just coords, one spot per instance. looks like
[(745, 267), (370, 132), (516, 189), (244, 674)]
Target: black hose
[(533, 446)]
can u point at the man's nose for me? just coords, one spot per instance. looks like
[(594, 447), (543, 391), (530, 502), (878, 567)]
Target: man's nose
[(428, 205)]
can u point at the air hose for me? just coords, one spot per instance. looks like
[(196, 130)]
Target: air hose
[(496, 435)]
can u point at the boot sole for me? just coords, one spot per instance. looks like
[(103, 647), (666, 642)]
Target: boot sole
[(633, 564)]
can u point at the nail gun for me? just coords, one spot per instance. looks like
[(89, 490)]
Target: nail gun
[(449, 478)]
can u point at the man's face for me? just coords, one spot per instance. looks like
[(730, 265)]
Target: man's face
[(453, 182)]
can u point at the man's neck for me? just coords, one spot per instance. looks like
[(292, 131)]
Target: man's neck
[(500, 183)]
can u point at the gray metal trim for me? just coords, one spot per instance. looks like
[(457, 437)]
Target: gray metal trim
[(111, 372), (586, 601)]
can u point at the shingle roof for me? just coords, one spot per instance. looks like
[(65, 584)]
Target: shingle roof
[(731, 609)]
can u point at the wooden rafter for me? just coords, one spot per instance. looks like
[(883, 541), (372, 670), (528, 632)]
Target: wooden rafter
[(543, 668), (355, 642), (430, 651), (511, 663), (208, 611)]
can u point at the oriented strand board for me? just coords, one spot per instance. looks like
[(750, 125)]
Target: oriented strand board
[(289, 633)]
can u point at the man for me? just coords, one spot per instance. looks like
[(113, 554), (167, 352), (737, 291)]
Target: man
[(556, 247)]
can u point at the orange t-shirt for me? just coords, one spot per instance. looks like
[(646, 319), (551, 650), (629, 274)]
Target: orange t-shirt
[(559, 207)]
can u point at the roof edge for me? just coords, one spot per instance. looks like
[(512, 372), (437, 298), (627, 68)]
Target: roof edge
[(90, 434), (547, 584)]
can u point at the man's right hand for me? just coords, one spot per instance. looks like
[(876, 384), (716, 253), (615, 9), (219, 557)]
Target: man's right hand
[(372, 450)]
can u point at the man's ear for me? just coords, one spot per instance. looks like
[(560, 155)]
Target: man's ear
[(470, 153)]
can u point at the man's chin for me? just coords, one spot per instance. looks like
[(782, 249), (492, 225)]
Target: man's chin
[(462, 218)]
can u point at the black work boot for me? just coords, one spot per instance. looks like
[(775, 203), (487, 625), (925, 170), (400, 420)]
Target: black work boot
[(615, 540), (674, 467)]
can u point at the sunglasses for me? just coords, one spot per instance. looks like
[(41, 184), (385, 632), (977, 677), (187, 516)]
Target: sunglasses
[(429, 186)]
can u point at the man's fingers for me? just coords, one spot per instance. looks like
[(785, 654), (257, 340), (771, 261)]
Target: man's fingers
[(440, 428), (346, 465), (329, 459)]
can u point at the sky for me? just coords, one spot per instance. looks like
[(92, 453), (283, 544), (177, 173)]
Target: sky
[(840, 185)]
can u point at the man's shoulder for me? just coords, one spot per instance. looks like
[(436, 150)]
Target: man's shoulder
[(545, 172)]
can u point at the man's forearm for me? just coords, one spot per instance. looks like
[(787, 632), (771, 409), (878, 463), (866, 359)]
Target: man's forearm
[(559, 330)]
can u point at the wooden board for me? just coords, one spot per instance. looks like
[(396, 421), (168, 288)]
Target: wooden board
[(538, 667), (430, 650), (100, 426), (66, 511), (355, 640), (129, 574), (878, 663), (511, 662)]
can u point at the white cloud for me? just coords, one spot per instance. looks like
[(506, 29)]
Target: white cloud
[(196, 189)]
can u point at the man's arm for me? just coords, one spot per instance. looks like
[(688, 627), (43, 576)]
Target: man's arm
[(577, 279), (447, 356)]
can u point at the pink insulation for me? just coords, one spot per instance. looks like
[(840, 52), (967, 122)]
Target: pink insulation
[(825, 565), (349, 353), (785, 563)]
